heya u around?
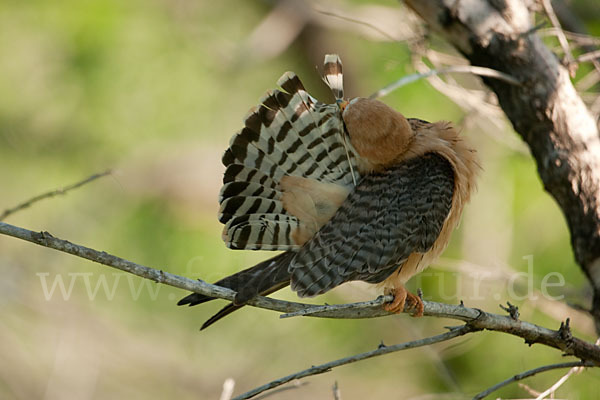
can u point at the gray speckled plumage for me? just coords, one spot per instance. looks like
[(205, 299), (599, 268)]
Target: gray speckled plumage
[(387, 217)]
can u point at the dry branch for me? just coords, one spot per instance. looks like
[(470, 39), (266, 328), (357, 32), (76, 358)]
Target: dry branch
[(463, 69), (545, 110), (529, 373), (381, 350), (569, 60), (294, 385), (552, 389), (561, 339), (52, 193)]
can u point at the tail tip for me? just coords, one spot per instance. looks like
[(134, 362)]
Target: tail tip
[(333, 75), (184, 301)]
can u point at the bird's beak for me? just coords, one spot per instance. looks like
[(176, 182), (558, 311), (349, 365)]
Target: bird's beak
[(342, 104)]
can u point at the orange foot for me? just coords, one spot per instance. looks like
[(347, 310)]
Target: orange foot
[(403, 297)]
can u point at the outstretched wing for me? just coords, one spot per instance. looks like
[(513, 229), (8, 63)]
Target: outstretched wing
[(289, 134), (387, 217)]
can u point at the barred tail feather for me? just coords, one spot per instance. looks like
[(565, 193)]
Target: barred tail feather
[(332, 74), (260, 232), (286, 173), (262, 279)]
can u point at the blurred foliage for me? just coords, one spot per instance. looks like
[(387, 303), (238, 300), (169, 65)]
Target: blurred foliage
[(155, 89)]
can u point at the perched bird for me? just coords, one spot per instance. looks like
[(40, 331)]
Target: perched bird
[(350, 191)]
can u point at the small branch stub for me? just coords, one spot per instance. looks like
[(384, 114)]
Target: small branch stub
[(512, 310), (565, 333)]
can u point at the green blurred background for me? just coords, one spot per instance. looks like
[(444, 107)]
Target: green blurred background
[(154, 90)]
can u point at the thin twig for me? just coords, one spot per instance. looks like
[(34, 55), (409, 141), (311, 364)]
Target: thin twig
[(592, 55), (532, 372), (560, 339), (463, 69), (294, 385), (52, 193), (228, 387), (571, 22), (337, 394), (562, 39), (477, 104), (580, 39), (359, 22), (319, 369), (552, 389), (529, 390), (587, 82)]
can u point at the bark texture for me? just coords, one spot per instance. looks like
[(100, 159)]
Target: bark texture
[(545, 110)]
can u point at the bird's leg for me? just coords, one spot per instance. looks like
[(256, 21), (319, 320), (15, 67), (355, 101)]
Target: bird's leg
[(397, 305), (402, 297)]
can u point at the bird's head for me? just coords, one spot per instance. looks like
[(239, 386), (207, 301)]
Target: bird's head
[(379, 133)]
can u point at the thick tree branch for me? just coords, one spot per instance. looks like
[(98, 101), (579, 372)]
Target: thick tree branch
[(561, 339), (545, 110)]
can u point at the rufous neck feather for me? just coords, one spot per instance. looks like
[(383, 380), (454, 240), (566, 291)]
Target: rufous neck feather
[(378, 133), (383, 137), (442, 138)]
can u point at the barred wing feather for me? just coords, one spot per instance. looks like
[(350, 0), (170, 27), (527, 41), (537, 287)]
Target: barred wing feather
[(289, 134)]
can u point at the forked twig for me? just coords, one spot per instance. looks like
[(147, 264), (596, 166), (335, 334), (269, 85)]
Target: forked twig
[(532, 372), (562, 39), (552, 389)]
